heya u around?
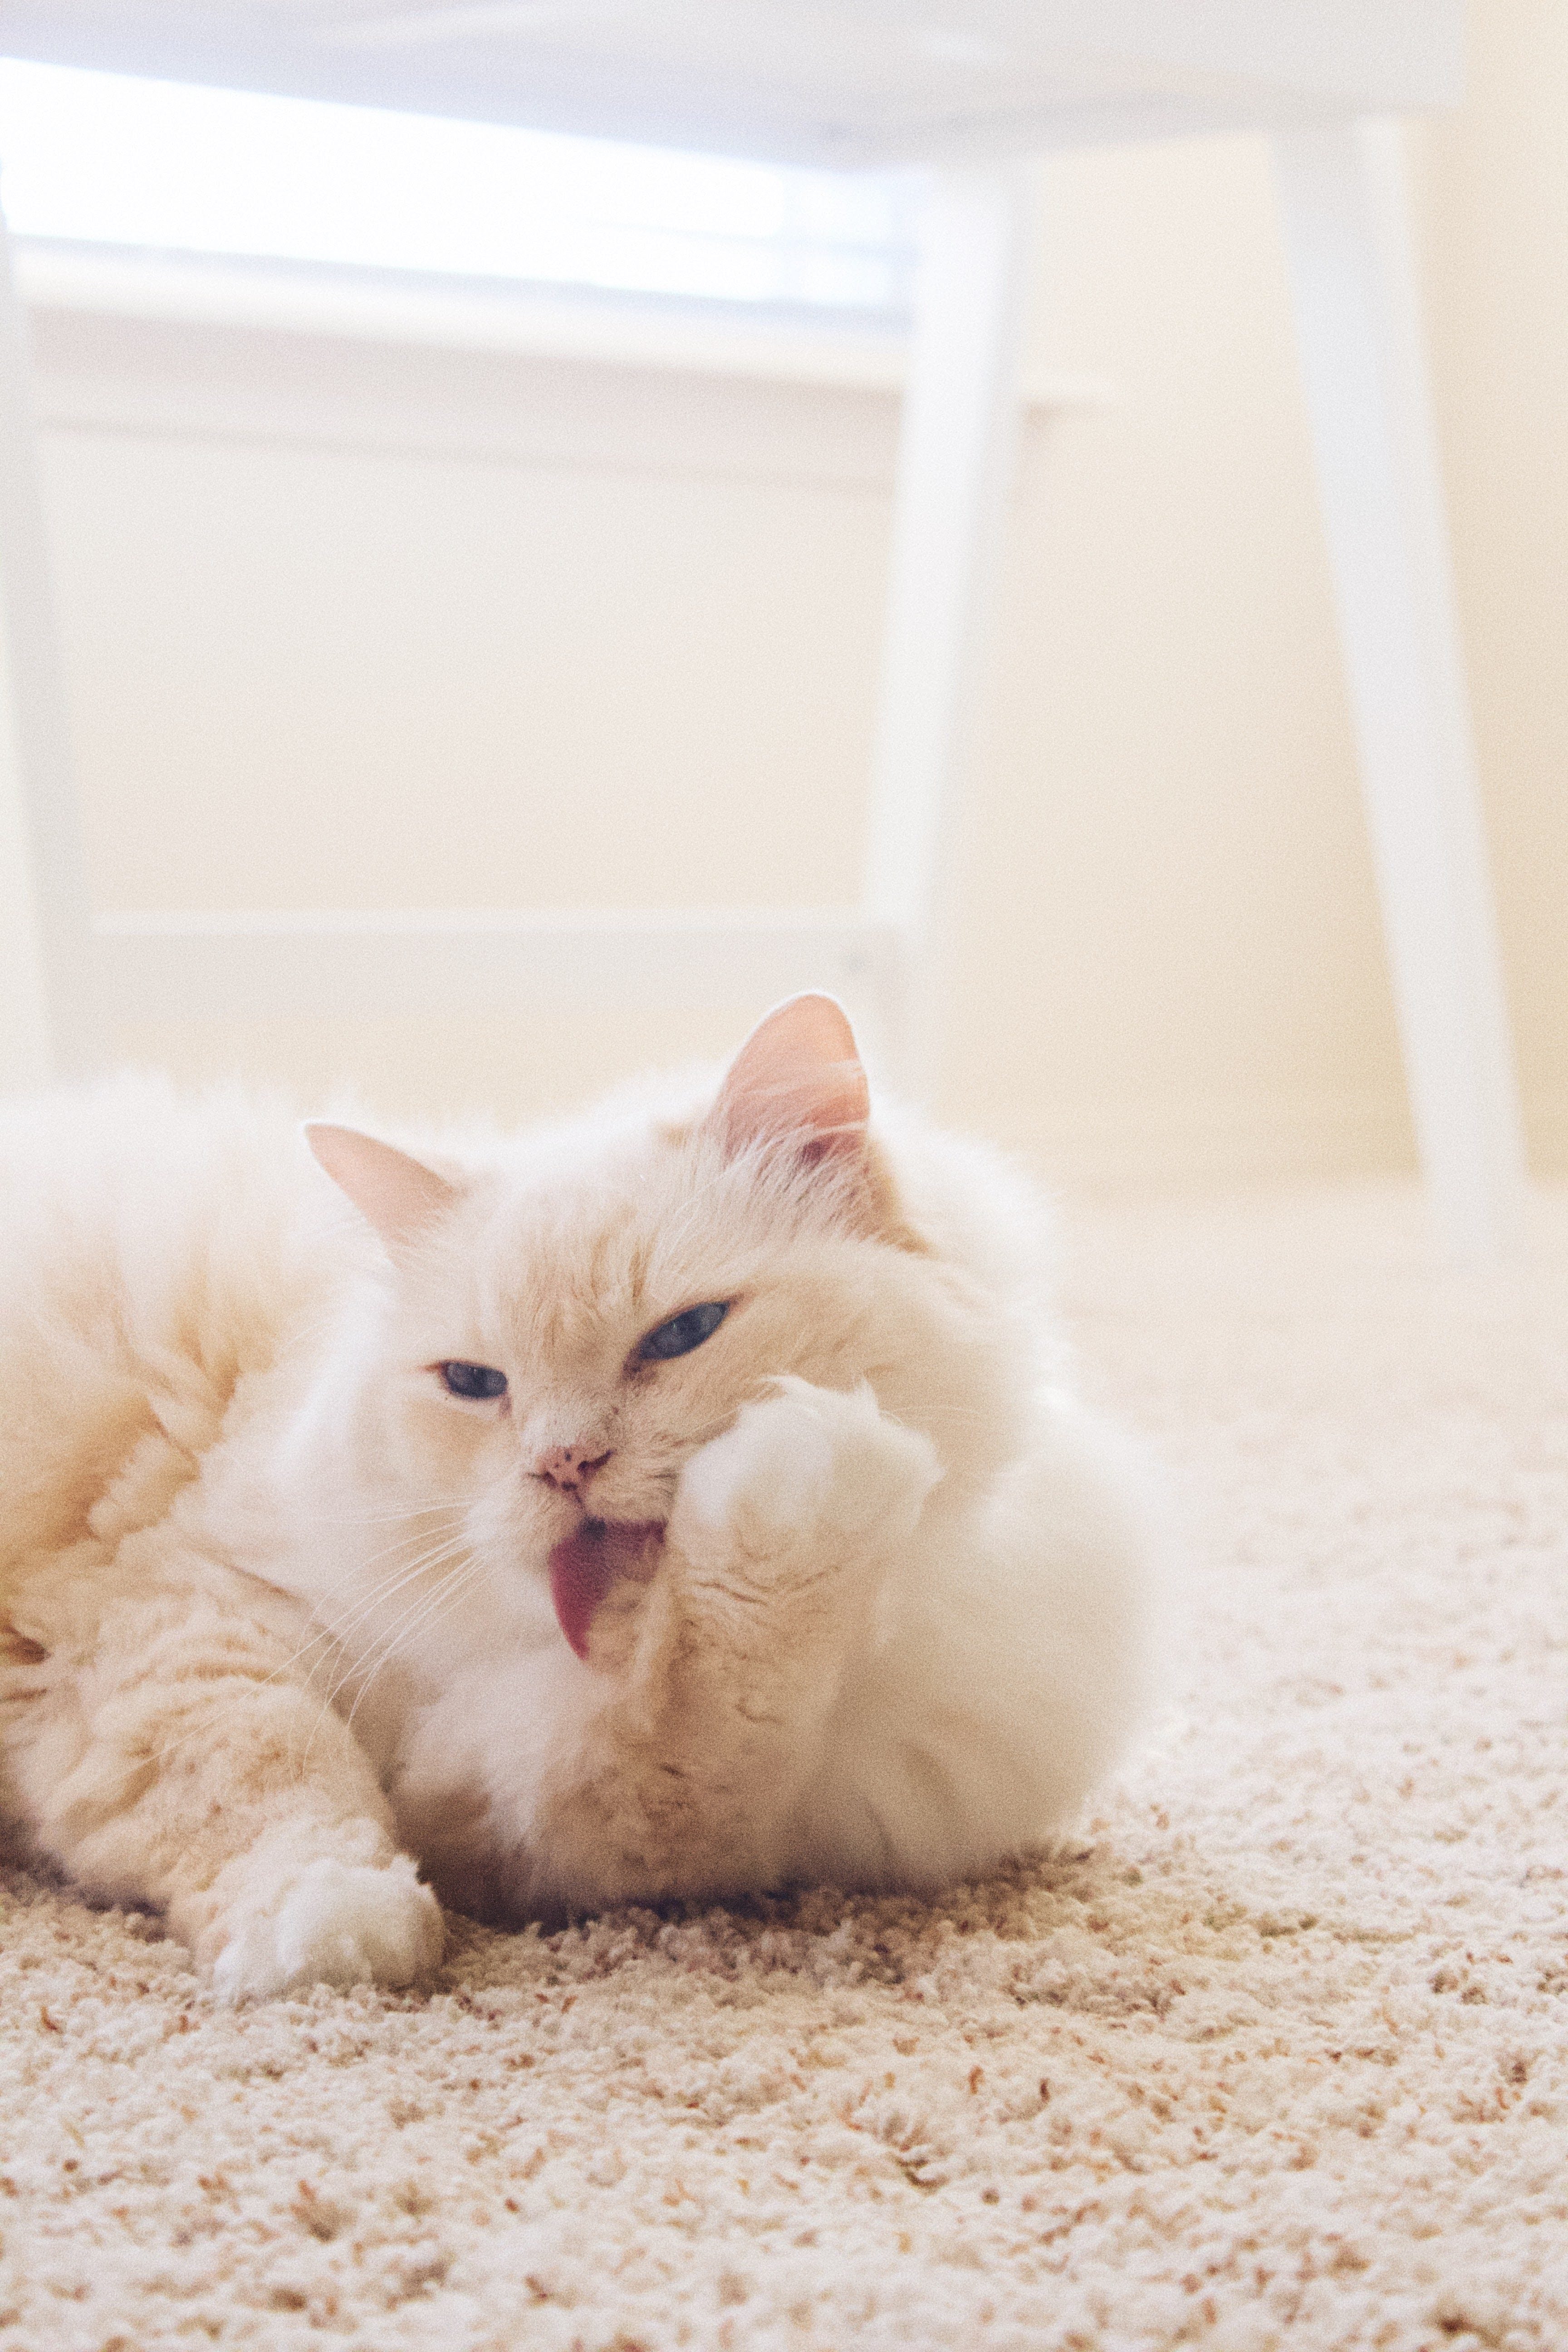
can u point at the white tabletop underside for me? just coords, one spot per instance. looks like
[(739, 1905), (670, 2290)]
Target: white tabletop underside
[(841, 83)]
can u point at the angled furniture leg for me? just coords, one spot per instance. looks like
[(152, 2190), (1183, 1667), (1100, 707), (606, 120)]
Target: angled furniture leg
[(955, 465), (1347, 245), (50, 1020)]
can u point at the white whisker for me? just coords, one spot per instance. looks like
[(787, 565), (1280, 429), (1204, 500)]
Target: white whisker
[(413, 1621)]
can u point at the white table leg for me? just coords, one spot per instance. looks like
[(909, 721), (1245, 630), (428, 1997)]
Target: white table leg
[(50, 1023), (1347, 248), (955, 464)]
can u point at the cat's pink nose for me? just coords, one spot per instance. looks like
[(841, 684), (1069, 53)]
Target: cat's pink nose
[(569, 1467)]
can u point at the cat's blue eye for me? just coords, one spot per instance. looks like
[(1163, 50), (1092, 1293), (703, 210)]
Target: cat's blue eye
[(473, 1379), (683, 1332)]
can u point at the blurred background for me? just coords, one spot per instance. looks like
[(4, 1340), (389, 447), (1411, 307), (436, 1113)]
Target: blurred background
[(369, 607)]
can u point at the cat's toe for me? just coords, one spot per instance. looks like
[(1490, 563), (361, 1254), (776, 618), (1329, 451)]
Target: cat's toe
[(340, 1924), (810, 1459)]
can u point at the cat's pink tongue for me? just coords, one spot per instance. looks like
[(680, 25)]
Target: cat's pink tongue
[(584, 1565)]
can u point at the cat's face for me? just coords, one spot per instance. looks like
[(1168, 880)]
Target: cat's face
[(565, 1332)]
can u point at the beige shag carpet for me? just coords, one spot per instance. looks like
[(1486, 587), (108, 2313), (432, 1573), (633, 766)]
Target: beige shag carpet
[(1279, 2058)]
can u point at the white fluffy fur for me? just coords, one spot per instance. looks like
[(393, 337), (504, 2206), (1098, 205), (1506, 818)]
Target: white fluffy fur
[(275, 1611)]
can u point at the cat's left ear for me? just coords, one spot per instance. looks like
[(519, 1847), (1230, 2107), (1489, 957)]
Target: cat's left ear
[(798, 1074), (399, 1195)]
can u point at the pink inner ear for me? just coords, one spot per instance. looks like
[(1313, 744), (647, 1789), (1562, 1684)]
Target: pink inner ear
[(798, 1072), (399, 1195)]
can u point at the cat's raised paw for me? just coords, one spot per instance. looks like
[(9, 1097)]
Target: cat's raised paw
[(809, 1466), (336, 1922)]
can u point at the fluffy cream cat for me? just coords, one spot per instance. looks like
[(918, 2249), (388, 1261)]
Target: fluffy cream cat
[(677, 1501)]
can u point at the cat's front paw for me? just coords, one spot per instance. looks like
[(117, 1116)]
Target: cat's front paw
[(336, 1922), (807, 1468)]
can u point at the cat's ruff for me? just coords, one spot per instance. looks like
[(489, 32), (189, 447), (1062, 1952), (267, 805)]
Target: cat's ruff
[(682, 1499)]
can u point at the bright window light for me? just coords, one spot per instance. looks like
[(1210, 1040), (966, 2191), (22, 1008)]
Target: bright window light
[(105, 159)]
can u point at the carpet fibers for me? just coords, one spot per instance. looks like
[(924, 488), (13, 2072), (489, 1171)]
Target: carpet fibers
[(1278, 2056)]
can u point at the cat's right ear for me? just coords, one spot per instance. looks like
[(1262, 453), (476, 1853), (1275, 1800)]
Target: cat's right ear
[(798, 1076), (398, 1195)]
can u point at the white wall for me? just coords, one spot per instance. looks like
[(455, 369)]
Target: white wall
[(1173, 923), (355, 626), (1494, 185)]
